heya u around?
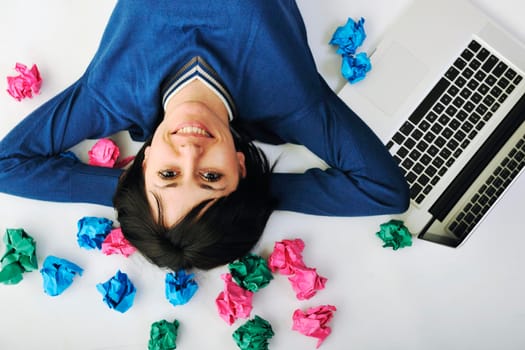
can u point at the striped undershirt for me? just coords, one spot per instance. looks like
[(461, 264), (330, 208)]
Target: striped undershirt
[(197, 68)]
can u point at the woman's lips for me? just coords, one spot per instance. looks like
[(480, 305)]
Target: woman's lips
[(192, 129)]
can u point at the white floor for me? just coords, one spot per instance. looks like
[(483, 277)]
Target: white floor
[(423, 297)]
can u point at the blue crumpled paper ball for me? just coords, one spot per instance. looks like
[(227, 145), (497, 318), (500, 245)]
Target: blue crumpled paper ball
[(349, 37), (354, 68), (58, 274), (118, 292), (92, 231), (180, 287)]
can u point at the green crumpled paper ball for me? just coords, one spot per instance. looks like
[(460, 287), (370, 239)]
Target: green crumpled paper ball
[(254, 334), (163, 335), (251, 272), (394, 234), (20, 256)]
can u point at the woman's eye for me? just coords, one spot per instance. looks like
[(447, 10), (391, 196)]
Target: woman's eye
[(167, 174), (211, 176)]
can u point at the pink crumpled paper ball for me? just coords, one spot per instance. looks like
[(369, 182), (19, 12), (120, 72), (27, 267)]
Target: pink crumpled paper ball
[(234, 301), (314, 322), (27, 83), (104, 153), (287, 256), (306, 282), (116, 243)]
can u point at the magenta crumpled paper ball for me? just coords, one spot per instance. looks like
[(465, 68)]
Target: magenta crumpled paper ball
[(314, 322), (306, 282), (234, 301), (104, 153), (116, 243), (287, 256), (27, 83)]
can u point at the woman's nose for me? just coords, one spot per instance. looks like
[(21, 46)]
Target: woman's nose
[(190, 149)]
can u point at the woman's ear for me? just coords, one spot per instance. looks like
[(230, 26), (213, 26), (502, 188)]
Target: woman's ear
[(146, 154), (242, 165)]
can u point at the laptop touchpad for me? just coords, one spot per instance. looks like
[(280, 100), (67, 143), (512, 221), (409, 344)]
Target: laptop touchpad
[(395, 74)]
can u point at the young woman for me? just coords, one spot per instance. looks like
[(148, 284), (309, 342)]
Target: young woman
[(197, 81)]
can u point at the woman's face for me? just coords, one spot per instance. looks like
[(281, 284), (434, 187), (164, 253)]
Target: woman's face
[(191, 158)]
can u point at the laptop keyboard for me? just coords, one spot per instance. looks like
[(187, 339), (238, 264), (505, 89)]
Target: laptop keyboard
[(450, 116), (490, 191)]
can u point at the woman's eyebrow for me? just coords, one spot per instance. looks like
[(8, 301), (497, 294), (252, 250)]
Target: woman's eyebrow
[(202, 185)]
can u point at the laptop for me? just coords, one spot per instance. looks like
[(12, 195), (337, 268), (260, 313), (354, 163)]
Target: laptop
[(446, 95)]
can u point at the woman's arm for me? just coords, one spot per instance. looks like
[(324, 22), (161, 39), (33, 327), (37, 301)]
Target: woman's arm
[(282, 98), (32, 163), (362, 179)]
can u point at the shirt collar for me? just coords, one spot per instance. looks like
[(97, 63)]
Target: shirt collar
[(197, 68)]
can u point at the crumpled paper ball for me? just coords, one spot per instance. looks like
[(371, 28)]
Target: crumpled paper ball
[(394, 234), (27, 83), (287, 255), (288, 260), (92, 231), (314, 322), (254, 334), (58, 274), (104, 153), (116, 243), (118, 292), (306, 282), (349, 37), (163, 335), (354, 68), (251, 272), (180, 287), (234, 301), (19, 257)]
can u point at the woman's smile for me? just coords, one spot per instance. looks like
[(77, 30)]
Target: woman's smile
[(193, 129)]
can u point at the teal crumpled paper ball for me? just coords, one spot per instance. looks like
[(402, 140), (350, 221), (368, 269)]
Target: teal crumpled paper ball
[(163, 335), (19, 256), (394, 234), (251, 272), (254, 334)]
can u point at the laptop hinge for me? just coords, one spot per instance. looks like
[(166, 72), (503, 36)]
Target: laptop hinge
[(479, 161)]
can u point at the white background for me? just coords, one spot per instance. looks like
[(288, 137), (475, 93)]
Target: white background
[(423, 297)]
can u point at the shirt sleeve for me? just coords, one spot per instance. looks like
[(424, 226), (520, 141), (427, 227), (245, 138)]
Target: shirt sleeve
[(283, 95), (362, 178), (32, 160)]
